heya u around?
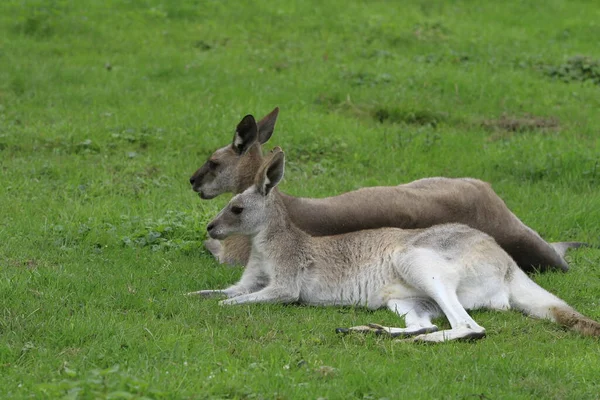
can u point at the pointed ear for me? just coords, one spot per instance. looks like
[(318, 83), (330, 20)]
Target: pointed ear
[(245, 134), (271, 172), (267, 125)]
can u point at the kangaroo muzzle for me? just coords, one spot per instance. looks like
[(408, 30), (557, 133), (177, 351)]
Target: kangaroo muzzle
[(214, 231)]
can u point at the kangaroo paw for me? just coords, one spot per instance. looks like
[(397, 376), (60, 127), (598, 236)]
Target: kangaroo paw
[(214, 246), (388, 331), (207, 293), (357, 329)]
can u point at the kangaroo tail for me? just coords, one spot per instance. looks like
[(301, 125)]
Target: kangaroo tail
[(530, 298), (562, 247)]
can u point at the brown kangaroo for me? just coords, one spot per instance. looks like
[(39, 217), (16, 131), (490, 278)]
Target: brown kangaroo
[(419, 204), (417, 273)]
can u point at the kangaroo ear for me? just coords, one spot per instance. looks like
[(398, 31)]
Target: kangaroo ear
[(245, 134), (272, 172), (267, 125)]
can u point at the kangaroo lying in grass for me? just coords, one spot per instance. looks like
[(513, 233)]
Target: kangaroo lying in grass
[(419, 204), (417, 273)]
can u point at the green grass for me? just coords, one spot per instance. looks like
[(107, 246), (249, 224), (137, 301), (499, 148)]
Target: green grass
[(107, 108)]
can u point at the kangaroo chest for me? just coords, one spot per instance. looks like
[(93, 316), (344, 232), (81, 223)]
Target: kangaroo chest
[(337, 286)]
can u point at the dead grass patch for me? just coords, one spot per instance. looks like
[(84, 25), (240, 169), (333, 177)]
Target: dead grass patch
[(508, 125)]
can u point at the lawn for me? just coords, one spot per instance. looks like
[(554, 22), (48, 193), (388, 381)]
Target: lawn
[(108, 107)]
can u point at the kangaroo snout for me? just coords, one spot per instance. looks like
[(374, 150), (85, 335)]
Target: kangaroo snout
[(214, 232), (196, 182), (210, 227), (197, 178)]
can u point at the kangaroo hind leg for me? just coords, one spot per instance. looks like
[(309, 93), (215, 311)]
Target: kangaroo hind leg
[(417, 313), (432, 275), (462, 325), (417, 316)]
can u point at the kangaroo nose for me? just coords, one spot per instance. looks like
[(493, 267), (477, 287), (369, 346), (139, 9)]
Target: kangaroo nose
[(192, 180), (210, 227)]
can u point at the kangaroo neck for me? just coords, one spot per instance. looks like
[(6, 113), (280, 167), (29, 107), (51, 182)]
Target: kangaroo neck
[(279, 226), (246, 169)]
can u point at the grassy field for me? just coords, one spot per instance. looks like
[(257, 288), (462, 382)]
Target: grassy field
[(107, 108)]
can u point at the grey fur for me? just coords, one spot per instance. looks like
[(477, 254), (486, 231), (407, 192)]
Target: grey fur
[(419, 204), (452, 266)]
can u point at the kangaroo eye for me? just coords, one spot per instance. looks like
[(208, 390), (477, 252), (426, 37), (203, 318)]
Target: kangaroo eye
[(212, 164), (237, 210)]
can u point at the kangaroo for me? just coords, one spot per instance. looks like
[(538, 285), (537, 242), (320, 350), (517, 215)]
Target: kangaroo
[(418, 274), (419, 204)]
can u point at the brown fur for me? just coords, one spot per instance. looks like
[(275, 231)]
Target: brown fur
[(451, 266), (419, 204)]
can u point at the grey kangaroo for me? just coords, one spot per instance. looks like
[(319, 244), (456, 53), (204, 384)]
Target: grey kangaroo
[(418, 273), (419, 204)]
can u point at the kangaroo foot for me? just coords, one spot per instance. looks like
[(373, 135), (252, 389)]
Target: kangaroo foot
[(390, 331)]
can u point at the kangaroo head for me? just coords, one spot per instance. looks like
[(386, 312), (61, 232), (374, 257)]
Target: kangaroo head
[(232, 168), (248, 212)]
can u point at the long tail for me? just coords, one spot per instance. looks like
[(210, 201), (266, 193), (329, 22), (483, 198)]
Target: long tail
[(530, 298)]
